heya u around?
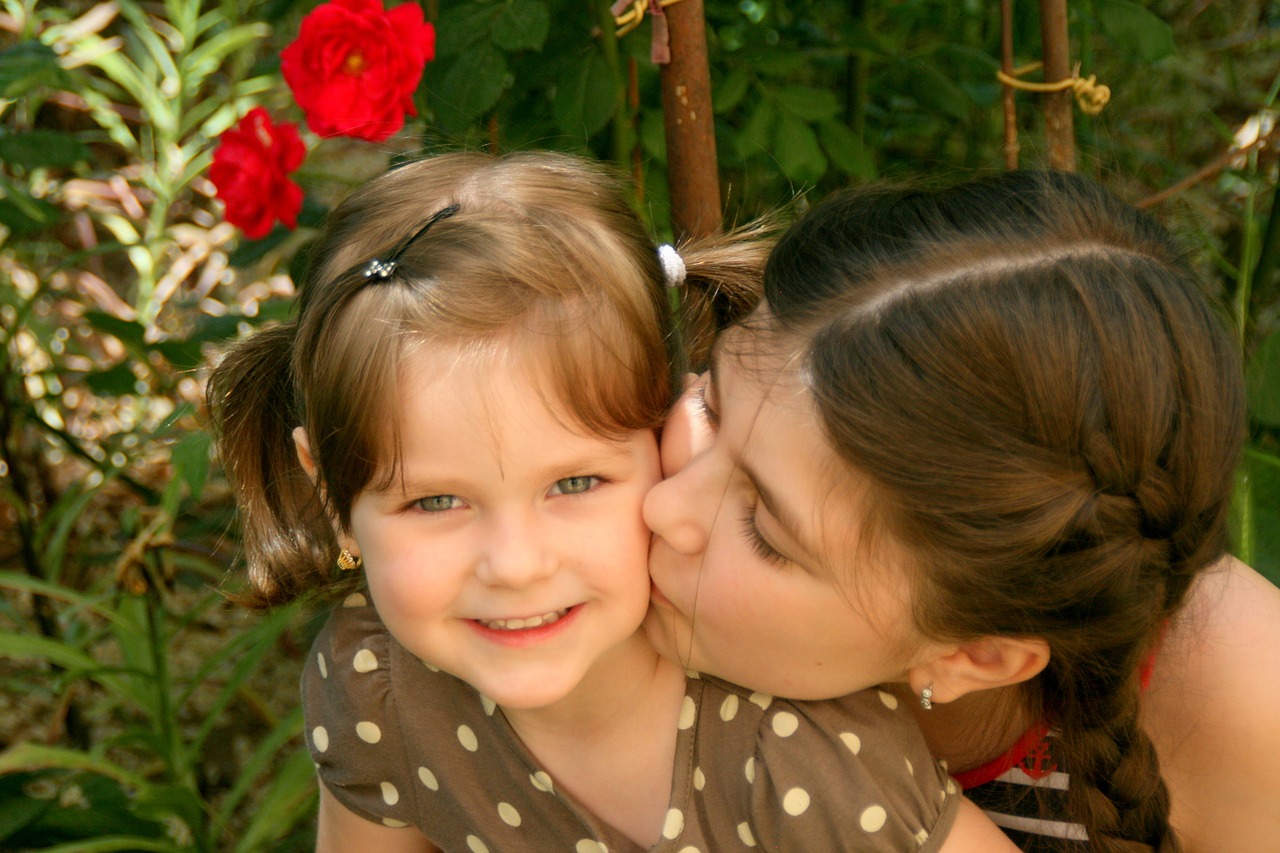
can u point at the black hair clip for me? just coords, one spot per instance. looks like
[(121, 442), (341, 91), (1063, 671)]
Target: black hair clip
[(381, 269)]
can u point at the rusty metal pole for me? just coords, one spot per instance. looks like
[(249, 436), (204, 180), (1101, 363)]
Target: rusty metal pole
[(1056, 47), (1010, 101), (692, 171)]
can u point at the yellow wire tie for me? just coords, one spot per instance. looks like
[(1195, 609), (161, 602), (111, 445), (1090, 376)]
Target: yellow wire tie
[(628, 14), (1091, 95)]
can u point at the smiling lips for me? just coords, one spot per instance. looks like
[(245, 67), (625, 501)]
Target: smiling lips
[(524, 624)]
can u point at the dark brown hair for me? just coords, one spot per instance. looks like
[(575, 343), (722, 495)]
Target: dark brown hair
[(1049, 413), (543, 253)]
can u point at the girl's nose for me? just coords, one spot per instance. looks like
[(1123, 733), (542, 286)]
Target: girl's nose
[(680, 509), (514, 554)]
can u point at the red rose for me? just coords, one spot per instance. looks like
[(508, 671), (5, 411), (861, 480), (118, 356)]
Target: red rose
[(354, 66), (250, 169)]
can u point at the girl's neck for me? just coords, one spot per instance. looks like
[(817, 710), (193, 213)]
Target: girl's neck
[(974, 729), (623, 714)]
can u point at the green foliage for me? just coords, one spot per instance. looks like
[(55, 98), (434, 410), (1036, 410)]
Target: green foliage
[(148, 714)]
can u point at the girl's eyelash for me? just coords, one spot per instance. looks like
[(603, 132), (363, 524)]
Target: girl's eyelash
[(759, 544), (704, 406)]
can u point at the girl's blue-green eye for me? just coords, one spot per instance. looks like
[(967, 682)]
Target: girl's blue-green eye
[(574, 485), (439, 503)]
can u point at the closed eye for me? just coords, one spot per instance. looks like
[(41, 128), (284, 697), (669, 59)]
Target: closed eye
[(758, 543), (704, 406)]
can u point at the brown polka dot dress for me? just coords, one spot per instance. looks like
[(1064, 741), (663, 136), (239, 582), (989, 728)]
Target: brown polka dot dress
[(400, 743)]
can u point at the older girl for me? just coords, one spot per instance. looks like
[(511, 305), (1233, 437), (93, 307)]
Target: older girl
[(979, 444)]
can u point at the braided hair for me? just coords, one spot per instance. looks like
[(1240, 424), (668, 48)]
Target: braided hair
[(1049, 412)]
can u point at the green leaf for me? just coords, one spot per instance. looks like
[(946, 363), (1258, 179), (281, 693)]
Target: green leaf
[(42, 148), (471, 87), (27, 65), (129, 332), (522, 25), (289, 797), (1135, 29), (210, 55), (191, 461), (461, 25), (587, 95), (730, 91), (756, 135), (846, 150), (1264, 381), (807, 103), (798, 152), (184, 355), (24, 215), (116, 381)]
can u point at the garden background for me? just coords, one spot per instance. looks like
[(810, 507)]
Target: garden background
[(149, 214)]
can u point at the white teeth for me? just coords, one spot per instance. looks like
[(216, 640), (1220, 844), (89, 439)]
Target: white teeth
[(518, 624)]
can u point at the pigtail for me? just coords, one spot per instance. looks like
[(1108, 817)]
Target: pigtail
[(288, 541), (722, 285)]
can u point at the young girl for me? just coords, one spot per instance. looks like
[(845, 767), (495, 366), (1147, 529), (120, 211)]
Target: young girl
[(1001, 419), (465, 404)]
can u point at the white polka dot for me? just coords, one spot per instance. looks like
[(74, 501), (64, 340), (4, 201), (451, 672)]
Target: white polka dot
[(688, 713), (324, 667), (320, 739), (785, 724), (921, 837), (795, 802), (674, 824), (467, 738), (476, 845), (890, 701), (364, 661), (692, 673), (393, 823), (390, 795), (951, 786), (488, 705), (852, 741), (942, 762), (690, 849), (761, 699), (590, 845), (541, 781), (508, 813), (748, 837), (751, 769), (368, 732), (911, 771), (699, 779), (429, 779), (872, 818), (355, 599), (729, 708), (430, 668)]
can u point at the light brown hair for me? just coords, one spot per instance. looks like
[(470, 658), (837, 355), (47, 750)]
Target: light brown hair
[(1049, 413), (543, 251)]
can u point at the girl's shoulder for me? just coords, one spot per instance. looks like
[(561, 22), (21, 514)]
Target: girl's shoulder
[(365, 743), (846, 773), (1211, 711)]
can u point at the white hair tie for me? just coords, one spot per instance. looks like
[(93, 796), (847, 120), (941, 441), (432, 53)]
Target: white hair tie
[(672, 265)]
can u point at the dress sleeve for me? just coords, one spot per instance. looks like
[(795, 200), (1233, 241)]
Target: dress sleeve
[(349, 715), (848, 774)]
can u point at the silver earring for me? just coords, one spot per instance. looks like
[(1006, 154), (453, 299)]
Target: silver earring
[(348, 561), (926, 698)]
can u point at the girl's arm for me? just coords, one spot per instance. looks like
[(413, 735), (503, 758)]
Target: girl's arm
[(341, 830), (974, 831)]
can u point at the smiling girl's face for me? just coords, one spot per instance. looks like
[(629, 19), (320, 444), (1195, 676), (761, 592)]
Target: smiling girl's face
[(510, 550), (756, 543)]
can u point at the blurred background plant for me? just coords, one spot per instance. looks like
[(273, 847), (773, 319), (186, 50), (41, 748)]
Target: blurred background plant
[(142, 711)]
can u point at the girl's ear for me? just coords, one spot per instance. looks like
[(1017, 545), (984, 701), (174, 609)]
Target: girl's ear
[(979, 665), (303, 447)]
